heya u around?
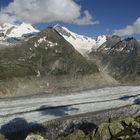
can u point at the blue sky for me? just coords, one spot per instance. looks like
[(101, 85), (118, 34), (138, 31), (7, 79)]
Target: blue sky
[(111, 14)]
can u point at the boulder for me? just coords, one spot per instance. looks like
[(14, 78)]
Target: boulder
[(77, 135), (136, 137), (34, 137), (102, 132), (136, 125), (115, 128), (2, 137), (128, 121)]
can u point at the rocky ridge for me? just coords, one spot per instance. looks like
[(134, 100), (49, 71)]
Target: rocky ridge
[(120, 57)]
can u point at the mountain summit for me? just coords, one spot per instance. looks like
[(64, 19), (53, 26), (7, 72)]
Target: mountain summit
[(8, 30), (81, 43)]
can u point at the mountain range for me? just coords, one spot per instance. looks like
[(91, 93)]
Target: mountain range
[(81, 43), (121, 57), (47, 53), (57, 50)]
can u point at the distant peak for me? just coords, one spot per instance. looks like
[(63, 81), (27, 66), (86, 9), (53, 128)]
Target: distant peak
[(17, 30), (130, 38), (57, 25)]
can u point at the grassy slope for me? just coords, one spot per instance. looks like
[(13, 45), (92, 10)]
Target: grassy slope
[(25, 59)]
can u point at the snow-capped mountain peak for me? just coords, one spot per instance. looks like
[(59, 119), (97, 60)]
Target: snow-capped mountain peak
[(16, 31), (81, 43)]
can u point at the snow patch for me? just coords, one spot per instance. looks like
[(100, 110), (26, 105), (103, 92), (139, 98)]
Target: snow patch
[(35, 45), (51, 44), (43, 39), (38, 73)]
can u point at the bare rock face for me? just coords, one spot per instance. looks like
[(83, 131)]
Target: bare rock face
[(1, 34), (120, 57), (111, 41)]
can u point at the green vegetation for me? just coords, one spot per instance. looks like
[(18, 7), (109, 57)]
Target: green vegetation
[(34, 58), (116, 129)]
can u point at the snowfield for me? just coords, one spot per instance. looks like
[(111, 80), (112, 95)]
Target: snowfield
[(39, 109)]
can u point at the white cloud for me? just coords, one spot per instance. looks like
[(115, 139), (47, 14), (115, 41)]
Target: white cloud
[(36, 11), (129, 29), (87, 19)]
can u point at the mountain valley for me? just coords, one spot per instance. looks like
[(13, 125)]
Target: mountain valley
[(69, 70), (57, 53)]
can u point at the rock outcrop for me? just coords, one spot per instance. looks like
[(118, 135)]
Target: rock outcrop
[(34, 137), (120, 128)]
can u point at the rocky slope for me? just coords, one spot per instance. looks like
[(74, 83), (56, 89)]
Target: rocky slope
[(47, 53), (121, 57)]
